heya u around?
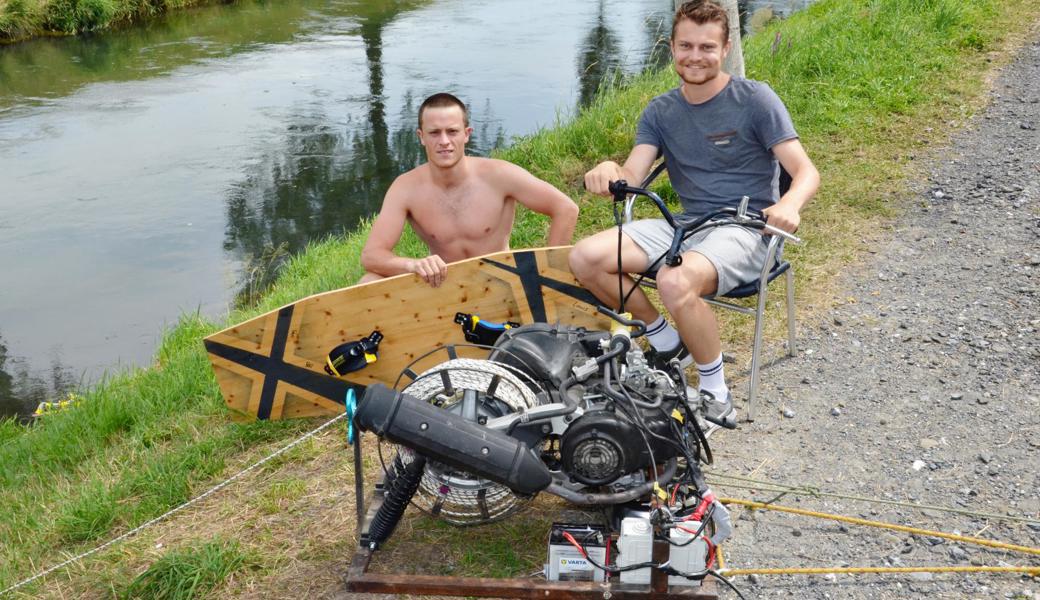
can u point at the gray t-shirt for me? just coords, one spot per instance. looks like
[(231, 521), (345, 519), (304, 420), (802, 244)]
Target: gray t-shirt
[(720, 150)]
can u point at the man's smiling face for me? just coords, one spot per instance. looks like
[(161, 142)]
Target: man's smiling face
[(698, 51)]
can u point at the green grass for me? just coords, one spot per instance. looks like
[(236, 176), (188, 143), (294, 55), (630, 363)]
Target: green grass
[(869, 82), (188, 573)]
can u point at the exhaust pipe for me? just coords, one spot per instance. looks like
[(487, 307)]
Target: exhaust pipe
[(445, 437)]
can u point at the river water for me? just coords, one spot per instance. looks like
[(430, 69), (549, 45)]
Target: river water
[(145, 172)]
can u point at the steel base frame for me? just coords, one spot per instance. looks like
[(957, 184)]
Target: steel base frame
[(360, 580)]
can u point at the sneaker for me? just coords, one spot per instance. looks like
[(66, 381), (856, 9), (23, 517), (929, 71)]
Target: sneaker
[(660, 360), (715, 409)]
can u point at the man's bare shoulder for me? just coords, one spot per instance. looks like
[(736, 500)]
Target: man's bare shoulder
[(497, 170), (405, 185)]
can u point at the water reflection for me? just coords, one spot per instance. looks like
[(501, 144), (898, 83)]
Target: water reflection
[(602, 61), (599, 63), (22, 388), (755, 14), (322, 179), (35, 71), (144, 169)]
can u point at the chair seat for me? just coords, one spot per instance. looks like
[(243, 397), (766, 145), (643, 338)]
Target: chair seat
[(745, 290), (751, 288)]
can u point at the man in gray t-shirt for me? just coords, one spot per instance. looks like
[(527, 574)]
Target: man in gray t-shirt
[(722, 138)]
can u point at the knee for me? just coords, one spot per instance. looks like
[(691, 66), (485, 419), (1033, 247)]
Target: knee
[(583, 260), (678, 287), (674, 288)]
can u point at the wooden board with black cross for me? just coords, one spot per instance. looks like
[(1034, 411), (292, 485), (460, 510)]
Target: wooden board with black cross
[(273, 366)]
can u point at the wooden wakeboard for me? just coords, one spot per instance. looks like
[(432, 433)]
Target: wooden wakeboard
[(272, 366)]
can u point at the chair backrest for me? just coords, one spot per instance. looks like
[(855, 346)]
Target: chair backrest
[(785, 180)]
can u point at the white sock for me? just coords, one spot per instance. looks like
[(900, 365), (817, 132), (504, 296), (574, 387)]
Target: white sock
[(662, 335), (713, 379)]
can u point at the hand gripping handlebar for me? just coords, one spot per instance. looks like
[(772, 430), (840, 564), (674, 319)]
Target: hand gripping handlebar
[(741, 215)]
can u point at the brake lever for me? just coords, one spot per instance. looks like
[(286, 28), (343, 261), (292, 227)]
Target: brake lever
[(780, 232), (742, 217)]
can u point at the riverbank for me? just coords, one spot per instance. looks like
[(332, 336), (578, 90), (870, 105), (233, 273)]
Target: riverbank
[(869, 91), (24, 19)]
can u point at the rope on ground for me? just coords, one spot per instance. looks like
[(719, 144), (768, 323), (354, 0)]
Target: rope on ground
[(1034, 571), (881, 525), (170, 512), (816, 492)]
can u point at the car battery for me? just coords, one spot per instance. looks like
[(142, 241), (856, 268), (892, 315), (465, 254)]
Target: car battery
[(686, 557), (635, 545), (566, 563)]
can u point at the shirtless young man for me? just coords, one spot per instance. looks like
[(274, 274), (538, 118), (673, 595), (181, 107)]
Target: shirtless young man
[(722, 138), (461, 206)]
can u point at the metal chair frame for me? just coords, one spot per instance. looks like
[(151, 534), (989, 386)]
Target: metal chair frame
[(772, 268)]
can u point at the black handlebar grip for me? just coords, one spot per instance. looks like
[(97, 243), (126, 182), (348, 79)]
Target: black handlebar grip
[(619, 187)]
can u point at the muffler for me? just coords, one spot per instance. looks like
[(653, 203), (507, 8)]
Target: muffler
[(445, 437)]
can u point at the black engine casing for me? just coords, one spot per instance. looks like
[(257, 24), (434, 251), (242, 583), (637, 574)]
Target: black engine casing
[(546, 352), (601, 446)]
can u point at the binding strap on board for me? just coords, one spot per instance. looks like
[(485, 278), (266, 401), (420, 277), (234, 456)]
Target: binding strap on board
[(482, 332), (353, 356)]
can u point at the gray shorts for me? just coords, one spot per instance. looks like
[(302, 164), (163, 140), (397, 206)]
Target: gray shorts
[(736, 252)]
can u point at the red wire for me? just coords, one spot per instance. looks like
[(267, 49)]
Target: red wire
[(711, 552), (711, 547), (570, 538)]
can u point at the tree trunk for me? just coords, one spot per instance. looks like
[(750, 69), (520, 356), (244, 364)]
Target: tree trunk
[(734, 63)]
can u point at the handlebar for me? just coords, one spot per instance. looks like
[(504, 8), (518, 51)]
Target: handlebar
[(741, 215)]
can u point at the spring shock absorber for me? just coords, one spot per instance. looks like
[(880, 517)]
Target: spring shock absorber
[(400, 485)]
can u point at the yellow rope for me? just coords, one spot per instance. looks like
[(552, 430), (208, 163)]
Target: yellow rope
[(1035, 571), (807, 490), (879, 524)]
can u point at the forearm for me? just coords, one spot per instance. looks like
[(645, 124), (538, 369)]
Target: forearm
[(803, 188), (561, 227), (386, 263)]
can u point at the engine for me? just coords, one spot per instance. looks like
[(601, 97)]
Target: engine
[(553, 408)]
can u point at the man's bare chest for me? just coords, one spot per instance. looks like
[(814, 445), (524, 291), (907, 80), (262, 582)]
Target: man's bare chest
[(477, 212)]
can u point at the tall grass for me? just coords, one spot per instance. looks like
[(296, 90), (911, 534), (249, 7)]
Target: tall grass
[(866, 81), (187, 573)]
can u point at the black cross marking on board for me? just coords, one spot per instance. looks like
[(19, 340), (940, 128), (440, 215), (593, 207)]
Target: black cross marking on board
[(533, 281), (275, 369)]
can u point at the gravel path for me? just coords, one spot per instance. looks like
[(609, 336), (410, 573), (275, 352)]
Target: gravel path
[(923, 386)]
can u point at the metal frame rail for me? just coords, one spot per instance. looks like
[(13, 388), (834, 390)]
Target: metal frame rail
[(360, 580)]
